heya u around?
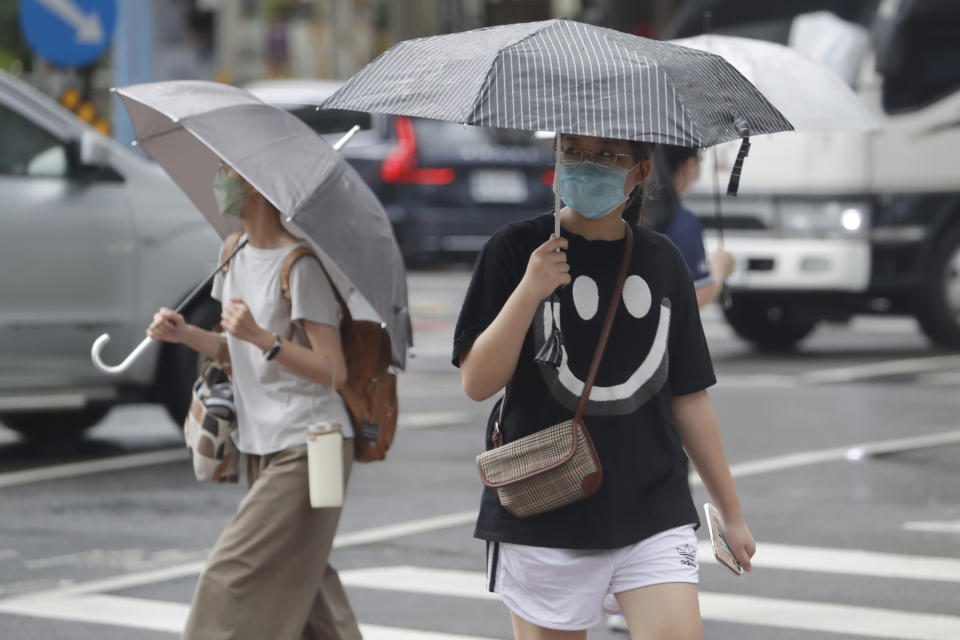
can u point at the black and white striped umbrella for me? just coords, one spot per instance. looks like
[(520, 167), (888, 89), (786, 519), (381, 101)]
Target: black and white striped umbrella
[(565, 76)]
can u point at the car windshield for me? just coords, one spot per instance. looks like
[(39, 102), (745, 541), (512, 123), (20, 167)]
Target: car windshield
[(325, 121), (437, 137)]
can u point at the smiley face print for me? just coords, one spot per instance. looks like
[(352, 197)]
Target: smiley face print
[(634, 365)]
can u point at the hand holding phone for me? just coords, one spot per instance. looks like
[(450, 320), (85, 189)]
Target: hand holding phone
[(721, 550)]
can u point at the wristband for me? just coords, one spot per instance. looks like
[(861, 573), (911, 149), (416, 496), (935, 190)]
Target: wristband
[(274, 349)]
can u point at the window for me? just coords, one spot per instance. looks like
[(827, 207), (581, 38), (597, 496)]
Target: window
[(28, 150), (922, 61), (325, 121)]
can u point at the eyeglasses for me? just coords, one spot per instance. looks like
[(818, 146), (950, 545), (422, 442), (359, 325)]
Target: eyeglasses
[(573, 157)]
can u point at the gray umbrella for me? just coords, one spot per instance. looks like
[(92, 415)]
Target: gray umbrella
[(565, 76), (189, 126)]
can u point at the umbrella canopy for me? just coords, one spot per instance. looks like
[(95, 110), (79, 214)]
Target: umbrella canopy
[(189, 126), (565, 76), (811, 95)]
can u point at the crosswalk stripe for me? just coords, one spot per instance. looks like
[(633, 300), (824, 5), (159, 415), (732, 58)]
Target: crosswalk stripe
[(828, 618), (933, 527), (752, 610), (431, 419), (739, 609), (156, 615), (847, 562), (441, 582), (847, 452)]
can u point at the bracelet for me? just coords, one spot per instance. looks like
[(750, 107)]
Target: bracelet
[(274, 349)]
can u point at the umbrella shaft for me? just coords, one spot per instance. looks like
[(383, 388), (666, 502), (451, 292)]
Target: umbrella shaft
[(200, 287)]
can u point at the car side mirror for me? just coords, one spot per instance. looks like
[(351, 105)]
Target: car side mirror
[(93, 153), (89, 157)]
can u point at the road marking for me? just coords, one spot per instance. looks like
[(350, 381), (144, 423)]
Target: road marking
[(933, 527), (828, 618), (128, 559), (344, 540), (432, 419), (7, 554), (389, 532), (879, 369), (463, 518), (440, 582), (758, 380), (157, 615), (180, 454), (773, 612), (764, 611), (101, 465), (848, 452), (851, 562)]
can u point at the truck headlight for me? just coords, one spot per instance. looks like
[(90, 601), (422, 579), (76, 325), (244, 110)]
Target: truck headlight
[(823, 219)]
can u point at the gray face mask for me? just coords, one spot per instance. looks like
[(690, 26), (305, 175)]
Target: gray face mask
[(229, 193)]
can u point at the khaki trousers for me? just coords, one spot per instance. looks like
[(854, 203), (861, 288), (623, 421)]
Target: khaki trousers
[(268, 577)]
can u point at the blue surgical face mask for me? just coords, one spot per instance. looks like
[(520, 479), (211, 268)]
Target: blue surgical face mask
[(229, 192), (590, 190)]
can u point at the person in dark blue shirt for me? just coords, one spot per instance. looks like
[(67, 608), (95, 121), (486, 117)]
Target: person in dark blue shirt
[(681, 168)]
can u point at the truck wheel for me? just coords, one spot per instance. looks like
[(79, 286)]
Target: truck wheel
[(54, 426), (939, 313), (766, 324), (180, 365)]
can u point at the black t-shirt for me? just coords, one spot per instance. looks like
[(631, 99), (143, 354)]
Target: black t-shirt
[(656, 350)]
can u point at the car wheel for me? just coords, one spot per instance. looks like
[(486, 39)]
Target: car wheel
[(180, 365), (55, 426), (939, 313), (769, 326)]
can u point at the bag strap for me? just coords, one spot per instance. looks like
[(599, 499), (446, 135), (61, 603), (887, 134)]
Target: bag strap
[(231, 245), (229, 249), (288, 262), (607, 325), (601, 343)]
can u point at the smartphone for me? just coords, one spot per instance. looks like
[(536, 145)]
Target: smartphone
[(721, 550)]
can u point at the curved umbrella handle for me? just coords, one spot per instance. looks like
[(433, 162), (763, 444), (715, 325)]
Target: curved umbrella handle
[(102, 342), (104, 339)]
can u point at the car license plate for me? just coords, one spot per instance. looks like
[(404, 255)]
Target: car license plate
[(491, 185)]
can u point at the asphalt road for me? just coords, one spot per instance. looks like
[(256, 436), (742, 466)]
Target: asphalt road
[(845, 453)]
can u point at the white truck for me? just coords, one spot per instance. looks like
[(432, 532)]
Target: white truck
[(832, 224), (93, 239)]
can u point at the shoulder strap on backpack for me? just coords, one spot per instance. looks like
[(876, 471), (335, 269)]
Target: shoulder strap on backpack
[(229, 244), (288, 262)]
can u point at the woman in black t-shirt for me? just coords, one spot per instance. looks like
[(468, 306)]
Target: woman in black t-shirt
[(630, 546)]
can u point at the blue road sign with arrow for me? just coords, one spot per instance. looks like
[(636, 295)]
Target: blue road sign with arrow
[(68, 33)]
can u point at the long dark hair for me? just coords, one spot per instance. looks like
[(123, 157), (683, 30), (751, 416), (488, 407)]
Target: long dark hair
[(661, 201), (633, 212)]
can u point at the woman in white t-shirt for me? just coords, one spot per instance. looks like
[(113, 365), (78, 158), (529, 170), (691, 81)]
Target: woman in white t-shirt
[(268, 574)]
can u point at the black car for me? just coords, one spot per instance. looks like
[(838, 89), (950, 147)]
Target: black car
[(446, 187)]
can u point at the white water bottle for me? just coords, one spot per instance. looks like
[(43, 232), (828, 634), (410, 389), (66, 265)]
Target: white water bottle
[(325, 464), (325, 457)]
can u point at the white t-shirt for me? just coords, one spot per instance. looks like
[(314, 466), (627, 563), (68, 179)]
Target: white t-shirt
[(273, 403)]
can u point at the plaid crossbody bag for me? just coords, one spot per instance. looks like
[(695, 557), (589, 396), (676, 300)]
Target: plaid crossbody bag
[(557, 465)]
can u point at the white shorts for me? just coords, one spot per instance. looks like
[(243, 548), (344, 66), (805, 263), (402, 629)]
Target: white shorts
[(570, 589)]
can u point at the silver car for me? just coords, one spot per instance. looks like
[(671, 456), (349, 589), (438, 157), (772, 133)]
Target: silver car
[(93, 238)]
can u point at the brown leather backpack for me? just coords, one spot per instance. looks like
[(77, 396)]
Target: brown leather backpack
[(370, 392)]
